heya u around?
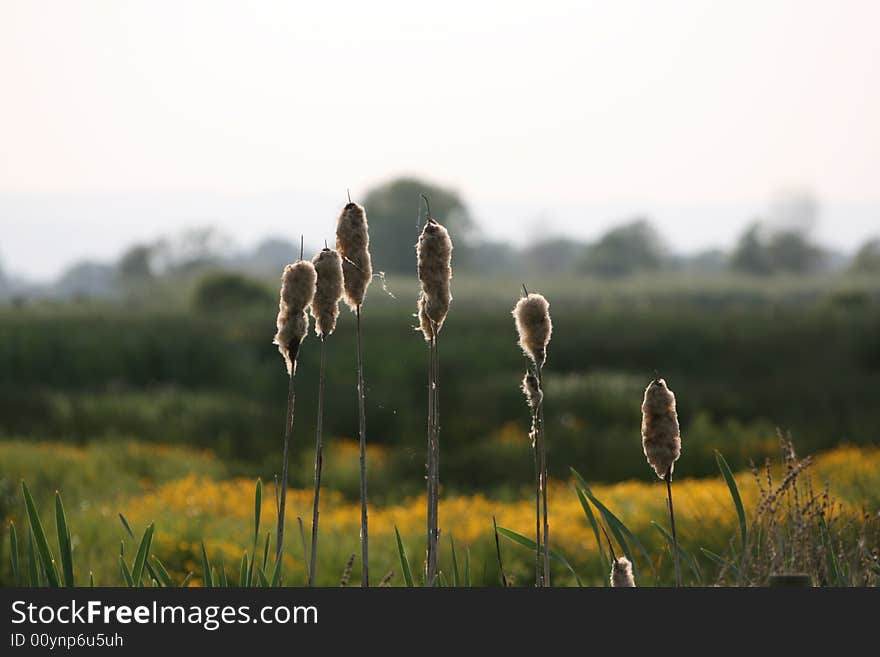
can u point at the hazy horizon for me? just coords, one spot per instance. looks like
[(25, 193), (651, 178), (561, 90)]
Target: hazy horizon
[(128, 120)]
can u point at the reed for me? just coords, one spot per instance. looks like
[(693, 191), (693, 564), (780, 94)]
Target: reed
[(297, 292), (353, 245), (434, 257), (661, 442), (534, 328), (325, 310)]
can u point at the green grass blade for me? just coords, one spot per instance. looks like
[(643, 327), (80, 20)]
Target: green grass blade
[(686, 557), (186, 580), (127, 526), (91, 580), (244, 573), (404, 562), (530, 544), (40, 539), (591, 518), (258, 506), (162, 573), (266, 552), (276, 573), (33, 577), (126, 573), (224, 582), (261, 576), (140, 558), (734, 493), (616, 525), (720, 561), (467, 567), (13, 554), (64, 546), (455, 579), (206, 567)]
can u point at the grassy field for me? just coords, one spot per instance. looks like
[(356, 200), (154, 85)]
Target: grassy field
[(190, 497)]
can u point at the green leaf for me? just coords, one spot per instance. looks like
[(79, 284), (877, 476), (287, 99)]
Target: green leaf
[(262, 577), (244, 573), (186, 580), (404, 562), (467, 567), (141, 557), (530, 544), (224, 582), (266, 552), (13, 554), (617, 527), (126, 573), (64, 546), (276, 573), (595, 525), (455, 578), (40, 539), (686, 557), (33, 577), (162, 573), (91, 580), (206, 567), (258, 505), (734, 493)]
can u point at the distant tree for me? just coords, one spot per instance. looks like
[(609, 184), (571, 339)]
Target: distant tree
[(791, 251), (87, 280), (867, 258), (230, 291), (136, 263), (394, 210), (624, 250), (750, 255), (554, 255)]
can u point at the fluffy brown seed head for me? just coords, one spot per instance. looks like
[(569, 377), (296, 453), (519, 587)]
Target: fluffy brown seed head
[(660, 432), (353, 245), (532, 315), (532, 390), (434, 253), (297, 292), (622, 573), (328, 291)]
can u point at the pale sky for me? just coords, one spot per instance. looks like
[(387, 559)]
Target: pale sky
[(562, 114)]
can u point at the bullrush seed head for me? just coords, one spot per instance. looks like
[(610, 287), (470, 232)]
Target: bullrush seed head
[(532, 390), (661, 440), (328, 291), (434, 253), (622, 573), (297, 292), (532, 315), (353, 245)]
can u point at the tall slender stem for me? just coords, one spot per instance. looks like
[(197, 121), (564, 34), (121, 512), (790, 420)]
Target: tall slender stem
[(288, 430), (435, 462), (672, 526), (543, 436), (538, 579), (429, 465), (319, 462), (362, 430)]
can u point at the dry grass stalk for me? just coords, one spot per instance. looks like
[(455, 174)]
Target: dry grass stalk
[(434, 257), (353, 244), (534, 328), (325, 310), (297, 292)]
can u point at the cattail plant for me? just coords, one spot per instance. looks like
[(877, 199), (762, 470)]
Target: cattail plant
[(297, 292), (532, 317), (325, 310), (434, 255), (621, 568), (661, 442), (353, 245)]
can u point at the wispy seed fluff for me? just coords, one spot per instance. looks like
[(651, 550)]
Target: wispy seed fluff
[(328, 291), (622, 573), (353, 245), (297, 291), (532, 315), (660, 432), (434, 252), (532, 390)]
